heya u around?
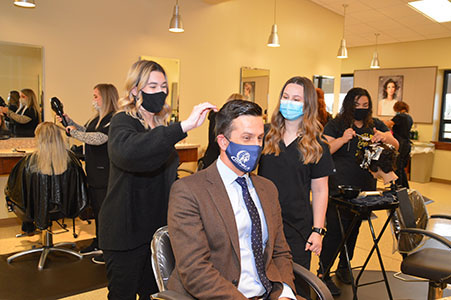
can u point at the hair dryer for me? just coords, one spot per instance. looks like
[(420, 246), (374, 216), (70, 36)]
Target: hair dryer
[(57, 107)]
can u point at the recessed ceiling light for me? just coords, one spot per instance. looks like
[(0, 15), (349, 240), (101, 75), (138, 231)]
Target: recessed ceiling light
[(438, 10)]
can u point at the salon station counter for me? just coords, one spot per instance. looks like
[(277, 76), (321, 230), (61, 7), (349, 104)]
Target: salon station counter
[(12, 150)]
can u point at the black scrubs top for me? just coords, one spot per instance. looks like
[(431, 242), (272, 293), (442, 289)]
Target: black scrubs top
[(349, 171), (293, 181)]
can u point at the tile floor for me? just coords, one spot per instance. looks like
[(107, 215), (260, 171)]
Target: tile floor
[(392, 260)]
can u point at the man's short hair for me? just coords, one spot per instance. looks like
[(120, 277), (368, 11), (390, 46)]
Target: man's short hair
[(232, 110)]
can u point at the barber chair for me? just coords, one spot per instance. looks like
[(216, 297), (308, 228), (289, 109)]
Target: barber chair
[(44, 199), (163, 263), (46, 240), (426, 254)]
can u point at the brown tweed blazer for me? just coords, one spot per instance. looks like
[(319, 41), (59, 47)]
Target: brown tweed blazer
[(205, 241)]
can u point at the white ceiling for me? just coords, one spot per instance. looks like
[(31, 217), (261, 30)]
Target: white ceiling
[(393, 19)]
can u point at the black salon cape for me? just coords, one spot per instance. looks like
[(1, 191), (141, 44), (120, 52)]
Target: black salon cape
[(35, 193)]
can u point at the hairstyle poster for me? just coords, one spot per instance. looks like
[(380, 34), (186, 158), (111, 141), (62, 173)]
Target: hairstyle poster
[(249, 90), (390, 90)]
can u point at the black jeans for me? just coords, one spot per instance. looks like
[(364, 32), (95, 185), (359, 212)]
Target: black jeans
[(96, 197), (333, 236), (130, 273), (297, 240)]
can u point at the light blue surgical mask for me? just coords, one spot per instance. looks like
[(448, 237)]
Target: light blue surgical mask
[(291, 110)]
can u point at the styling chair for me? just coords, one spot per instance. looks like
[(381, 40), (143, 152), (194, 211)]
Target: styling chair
[(47, 244), (44, 199), (163, 263), (424, 242)]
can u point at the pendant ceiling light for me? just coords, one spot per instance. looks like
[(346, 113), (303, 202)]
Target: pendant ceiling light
[(25, 3), (342, 51), (176, 24), (375, 61), (273, 40)]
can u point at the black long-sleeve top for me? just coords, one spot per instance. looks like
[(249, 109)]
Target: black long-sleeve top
[(143, 166)]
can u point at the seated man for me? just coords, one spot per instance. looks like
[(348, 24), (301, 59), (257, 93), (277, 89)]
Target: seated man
[(225, 224)]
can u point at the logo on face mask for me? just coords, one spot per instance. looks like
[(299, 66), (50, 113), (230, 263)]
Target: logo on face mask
[(243, 157)]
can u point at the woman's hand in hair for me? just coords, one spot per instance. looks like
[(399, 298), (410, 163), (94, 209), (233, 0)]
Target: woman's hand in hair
[(385, 137), (197, 116), (380, 136)]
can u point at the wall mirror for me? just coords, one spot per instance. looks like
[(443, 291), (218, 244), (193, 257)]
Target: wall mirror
[(21, 67), (326, 83), (172, 68), (254, 86)]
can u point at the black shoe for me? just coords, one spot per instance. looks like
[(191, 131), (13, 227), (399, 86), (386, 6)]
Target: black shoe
[(91, 249), (334, 290), (344, 275), (98, 259)]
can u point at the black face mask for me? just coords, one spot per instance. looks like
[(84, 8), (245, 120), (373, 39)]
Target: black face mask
[(153, 102), (360, 113)]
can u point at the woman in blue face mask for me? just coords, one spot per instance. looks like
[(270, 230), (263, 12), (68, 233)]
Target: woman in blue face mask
[(297, 159)]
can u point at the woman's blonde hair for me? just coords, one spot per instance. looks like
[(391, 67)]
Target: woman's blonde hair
[(51, 156), (110, 98), (32, 101), (137, 77), (309, 130)]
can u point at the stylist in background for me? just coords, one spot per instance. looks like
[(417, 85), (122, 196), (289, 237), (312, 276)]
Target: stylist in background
[(297, 160), (143, 167), (400, 125), (95, 136), (27, 116), (351, 130)]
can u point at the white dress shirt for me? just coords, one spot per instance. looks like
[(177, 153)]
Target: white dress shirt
[(249, 284)]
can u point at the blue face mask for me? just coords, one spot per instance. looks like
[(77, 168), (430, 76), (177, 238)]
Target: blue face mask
[(243, 157), (291, 110)]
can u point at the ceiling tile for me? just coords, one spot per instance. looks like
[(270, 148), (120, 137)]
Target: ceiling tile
[(394, 19)]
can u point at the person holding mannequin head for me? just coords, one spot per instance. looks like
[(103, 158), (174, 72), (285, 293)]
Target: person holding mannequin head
[(27, 116), (297, 159), (351, 130), (143, 166), (95, 136), (385, 106)]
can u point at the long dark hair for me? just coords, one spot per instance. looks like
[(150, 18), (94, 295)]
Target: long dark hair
[(347, 109), (385, 94)]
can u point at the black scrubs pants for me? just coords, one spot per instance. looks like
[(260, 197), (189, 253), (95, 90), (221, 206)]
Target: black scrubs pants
[(333, 237), (130, 273)]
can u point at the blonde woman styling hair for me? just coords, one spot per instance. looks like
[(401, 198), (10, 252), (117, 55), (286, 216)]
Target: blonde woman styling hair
[(27, 117), (95, 136), (143, 167), (297, 159)]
